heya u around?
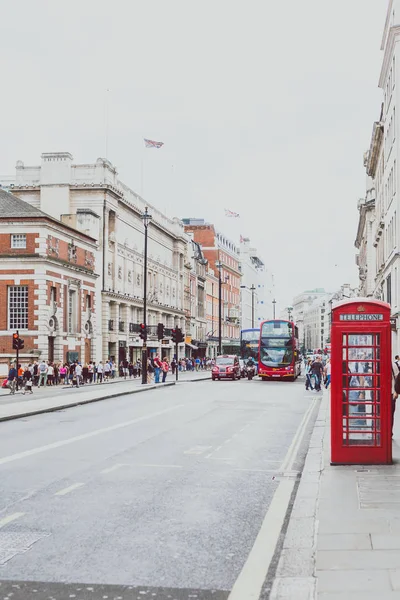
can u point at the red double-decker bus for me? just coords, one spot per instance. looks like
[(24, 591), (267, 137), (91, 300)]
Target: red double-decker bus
[(279, 356)]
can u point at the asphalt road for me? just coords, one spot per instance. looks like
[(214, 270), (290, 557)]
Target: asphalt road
[(156, 495)]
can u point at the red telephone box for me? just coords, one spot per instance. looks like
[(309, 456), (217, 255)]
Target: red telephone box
[(361, 383)]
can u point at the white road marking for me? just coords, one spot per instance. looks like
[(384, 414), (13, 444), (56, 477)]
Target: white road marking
[(114, 468), (160, 466), (69, 489), (85, 436), (213, 452), (10, 519), (250, 581), (287, 464), (197, 450)]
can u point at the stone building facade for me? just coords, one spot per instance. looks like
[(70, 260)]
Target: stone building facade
[(92, 199), (47, 286)]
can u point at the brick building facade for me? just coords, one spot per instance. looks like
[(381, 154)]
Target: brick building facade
[(218, 249), (47, 283)]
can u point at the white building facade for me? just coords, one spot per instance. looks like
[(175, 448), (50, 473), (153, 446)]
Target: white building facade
[(301, 304), (91, 198), (252, 307)]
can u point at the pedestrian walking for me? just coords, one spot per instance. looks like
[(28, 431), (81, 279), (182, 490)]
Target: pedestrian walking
[(157, 364), (317, 371), (71, 373), (85, 373), (173, 365), (165, 369), (27, 381), (42, 370), (327, 373), (12, 379), (63, 374), (197, 363), (100, 370), (90, 372), (308, 373), (107, 371), (150, 371), (50, 374), (78, 374)]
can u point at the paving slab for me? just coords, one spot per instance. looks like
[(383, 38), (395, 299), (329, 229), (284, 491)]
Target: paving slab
[(297, 588), (354, 581), (366, 560), (344, 541)]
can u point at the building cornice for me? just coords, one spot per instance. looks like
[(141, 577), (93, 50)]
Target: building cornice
[(385, 29), (51, 260), (393, 32), (139, 302), (48, 220), (363, 209), (374, 149)]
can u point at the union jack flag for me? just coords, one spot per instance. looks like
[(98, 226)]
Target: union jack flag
[(153, 144), (230, 213)]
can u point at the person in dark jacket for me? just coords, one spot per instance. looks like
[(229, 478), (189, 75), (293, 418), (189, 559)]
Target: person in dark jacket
[(317, 370)]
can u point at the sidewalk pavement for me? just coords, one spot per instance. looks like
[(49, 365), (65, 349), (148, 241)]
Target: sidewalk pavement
[(343, 536), (52, 398)]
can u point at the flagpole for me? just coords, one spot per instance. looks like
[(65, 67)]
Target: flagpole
[(106, 110), (142, 175)]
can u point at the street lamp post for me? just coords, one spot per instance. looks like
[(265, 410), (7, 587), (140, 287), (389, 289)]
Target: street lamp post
[(289, 309), (146, 218), (252, 289), (274, 306), (218, 264)]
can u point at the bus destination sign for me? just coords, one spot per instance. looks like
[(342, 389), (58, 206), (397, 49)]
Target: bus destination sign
[(362, 317)]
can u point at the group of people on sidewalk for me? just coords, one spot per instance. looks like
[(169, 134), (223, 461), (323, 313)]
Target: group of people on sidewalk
[(318, 372), (48, 373)]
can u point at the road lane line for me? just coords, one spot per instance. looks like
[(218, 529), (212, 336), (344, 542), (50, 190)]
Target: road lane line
[(10, 519), (213, 452), (69, 489), (114, 468), (159, 466), (197, 450), (84, 436), (251, 578), (291, 454)]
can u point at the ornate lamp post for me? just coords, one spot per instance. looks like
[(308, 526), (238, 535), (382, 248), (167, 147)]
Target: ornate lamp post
[(146, 218)]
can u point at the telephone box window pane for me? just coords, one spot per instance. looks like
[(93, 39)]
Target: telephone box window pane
[(344, 340), (361, 439), (344, 354), (361, 353), (361, 340)]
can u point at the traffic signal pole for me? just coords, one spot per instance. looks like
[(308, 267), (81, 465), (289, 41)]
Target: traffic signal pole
[(177, 361), (17, 359)]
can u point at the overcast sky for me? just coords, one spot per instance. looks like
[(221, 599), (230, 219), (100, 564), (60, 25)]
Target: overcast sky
[(265, 107)]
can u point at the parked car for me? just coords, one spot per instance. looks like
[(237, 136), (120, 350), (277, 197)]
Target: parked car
[(226, 367)]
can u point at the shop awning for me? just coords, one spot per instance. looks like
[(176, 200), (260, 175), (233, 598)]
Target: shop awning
[(192, 346)]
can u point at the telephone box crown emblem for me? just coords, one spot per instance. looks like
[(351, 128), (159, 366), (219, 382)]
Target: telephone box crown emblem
[(361, 308)]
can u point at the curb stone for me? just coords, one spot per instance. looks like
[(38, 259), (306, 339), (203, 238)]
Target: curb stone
[(295, 575)]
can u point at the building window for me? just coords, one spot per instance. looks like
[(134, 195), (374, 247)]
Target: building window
[(389, 289), (18, 240), (53, 294), (18, 307), (88, 302), (71, 311)]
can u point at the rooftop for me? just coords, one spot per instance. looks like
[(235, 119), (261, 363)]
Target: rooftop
[(11, 207)]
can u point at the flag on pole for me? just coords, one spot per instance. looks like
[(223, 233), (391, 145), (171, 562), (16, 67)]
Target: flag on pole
[(230, 213), (241, 239), (152, 144)]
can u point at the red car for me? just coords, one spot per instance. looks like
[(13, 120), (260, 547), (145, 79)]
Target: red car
[(227, 367)]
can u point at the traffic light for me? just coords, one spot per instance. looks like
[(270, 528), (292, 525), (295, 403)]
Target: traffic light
[(15, 341), (143, 332), (160, 331), (18, 343), (177, 335)]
